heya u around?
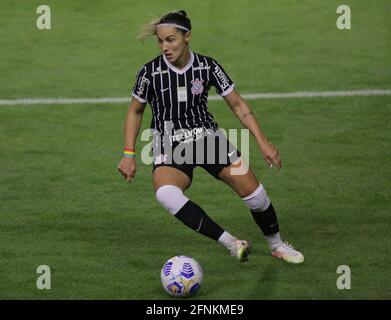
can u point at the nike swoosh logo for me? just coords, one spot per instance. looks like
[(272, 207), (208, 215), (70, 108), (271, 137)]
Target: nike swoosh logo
[(199, 227), (162, 90), (231, 153)]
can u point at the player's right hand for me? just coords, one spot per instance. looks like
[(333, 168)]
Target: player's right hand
[(127, 167)]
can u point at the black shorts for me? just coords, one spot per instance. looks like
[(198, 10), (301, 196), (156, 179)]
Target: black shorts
[(207, 149)]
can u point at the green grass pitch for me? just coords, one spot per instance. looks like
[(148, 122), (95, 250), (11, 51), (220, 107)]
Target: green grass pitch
[(63, 203)]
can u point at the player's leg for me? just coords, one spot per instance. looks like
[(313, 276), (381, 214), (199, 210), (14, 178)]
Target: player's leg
[(255, 197), (169, 185), (166, 175)]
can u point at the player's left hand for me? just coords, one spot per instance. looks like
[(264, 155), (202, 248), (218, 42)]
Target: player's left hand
[(271, 155)]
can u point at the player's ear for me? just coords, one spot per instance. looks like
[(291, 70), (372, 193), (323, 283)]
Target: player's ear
[(187, 36)]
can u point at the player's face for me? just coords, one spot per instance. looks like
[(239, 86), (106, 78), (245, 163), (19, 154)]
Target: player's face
[(173, 43)]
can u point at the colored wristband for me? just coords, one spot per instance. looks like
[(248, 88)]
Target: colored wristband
[(129, 153)]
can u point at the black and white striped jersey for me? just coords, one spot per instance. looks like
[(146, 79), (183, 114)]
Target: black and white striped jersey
[(181, 95)]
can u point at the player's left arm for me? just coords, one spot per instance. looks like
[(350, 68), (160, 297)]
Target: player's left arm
[(246, 116)]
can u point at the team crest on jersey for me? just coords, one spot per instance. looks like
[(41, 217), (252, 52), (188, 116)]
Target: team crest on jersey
[(197, 87)]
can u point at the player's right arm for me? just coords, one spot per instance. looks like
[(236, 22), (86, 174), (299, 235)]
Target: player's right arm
[(127, 166)]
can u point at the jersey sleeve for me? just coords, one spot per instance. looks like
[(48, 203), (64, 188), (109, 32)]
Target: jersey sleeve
[(142, 87), (220, 80)]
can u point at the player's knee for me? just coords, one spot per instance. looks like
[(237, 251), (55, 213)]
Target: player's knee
[(171, 197), (258, 200)]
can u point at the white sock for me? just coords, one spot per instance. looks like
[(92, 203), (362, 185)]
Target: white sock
[(274, 240), (226, 239)]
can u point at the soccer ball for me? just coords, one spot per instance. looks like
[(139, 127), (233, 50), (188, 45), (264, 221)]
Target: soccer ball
[(181, 276)]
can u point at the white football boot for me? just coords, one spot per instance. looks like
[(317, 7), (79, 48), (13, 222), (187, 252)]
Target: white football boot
[(287, 253), (240, 249)]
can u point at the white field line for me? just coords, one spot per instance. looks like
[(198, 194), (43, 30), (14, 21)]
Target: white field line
[(247, 96)]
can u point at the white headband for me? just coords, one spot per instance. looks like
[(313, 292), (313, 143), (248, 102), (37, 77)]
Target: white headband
[(173, 25)]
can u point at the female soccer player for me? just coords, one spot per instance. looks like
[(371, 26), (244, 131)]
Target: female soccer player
[(176, 85)]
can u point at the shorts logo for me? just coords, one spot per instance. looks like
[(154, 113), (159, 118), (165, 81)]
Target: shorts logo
[(161, 158), (197, 87)]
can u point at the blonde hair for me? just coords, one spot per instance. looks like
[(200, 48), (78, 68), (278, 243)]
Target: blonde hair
[(178, 18), (149, 29)]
